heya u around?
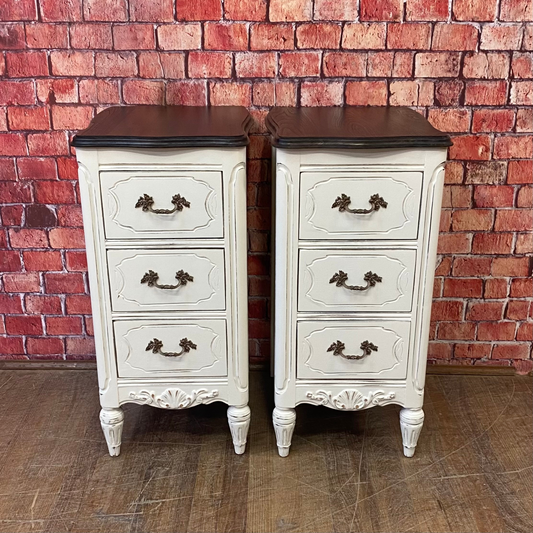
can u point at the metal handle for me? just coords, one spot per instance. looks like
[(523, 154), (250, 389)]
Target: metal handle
[(340, 278), (146, 202), (151, 277), (366, 346), (343, 201), (156, 346)]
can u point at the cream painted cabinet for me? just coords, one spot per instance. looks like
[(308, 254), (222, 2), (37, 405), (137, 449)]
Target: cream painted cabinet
[(163, 193), (357, 207)]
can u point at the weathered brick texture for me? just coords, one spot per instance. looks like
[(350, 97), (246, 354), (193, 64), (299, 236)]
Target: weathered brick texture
[(464, 64)]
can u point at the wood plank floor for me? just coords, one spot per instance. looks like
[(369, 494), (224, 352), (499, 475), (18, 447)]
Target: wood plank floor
[(472, 471)]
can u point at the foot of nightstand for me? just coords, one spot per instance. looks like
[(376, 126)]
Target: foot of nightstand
[(112, 421), (239, 422), (284, 419), (411, 422)]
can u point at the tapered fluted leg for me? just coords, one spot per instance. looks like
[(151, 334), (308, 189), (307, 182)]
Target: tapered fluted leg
[(112, 421), (284, 419), (411, 422), (239, 422)]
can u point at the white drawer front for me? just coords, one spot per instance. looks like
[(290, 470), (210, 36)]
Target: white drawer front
[(151, 348), (136, 278), (196, 214), (348, 269), (320, 190), (352, 349)]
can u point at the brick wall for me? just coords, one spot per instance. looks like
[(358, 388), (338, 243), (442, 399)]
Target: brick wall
[(465, 64)]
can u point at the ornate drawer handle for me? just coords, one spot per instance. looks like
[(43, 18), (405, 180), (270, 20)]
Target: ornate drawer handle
[(146, 202), (156, 346), (340, 278), (151, 277), (343, 201), (366, 346)]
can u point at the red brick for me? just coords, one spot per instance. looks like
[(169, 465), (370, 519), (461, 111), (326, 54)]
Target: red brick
[(23, 325), (387, 10), (480, 10), (492, 243), (333, 10), (516, 10), (512, 351), (78, 304), (11, 345), (133, 37), (472, 147), (10, 304), (319, 36), (514, 220), (485, 311), (63, 325), (144, 92), (228, 93), (522, 288), (521, 93), (496, 120), (472, 220), (15, 192), (71, 117), (54, 192), (53, 11), (76, 261), (180, 36), (463, 288), (453, 243), (90, 36), (439, 350), (7, 170), (290, 10), (518, 309), (525, 197), (525, 332), (506, 37), (449, 93), (427, 10), (44, 261), (454, 37), (24, 282), (402, 66), (245, 9), (496, 288), (57, 91), (486, 65), (364, 36), (516, 147), (45, 346), (256, 65), (186, 93), (492, 172), (341, 64), (486, 93), (37, 304), (321, 93), (446, 310), (263, 94), (115, 64), (80, 346), (452, 120), (12, 144), (210, 65), (522, 65), (116, 10), (161, 65), (11, 36), (493, 196), (437, 64), (366, 93), (149, 11), (524, 243), (471, 266), (500, 331), (28, 118), (94, 91), (299, 64), (456, 331), (18, 10), (379, 64), (9, 261), (12, 215), (524, 120), (472, 351), (26, 64), (511, 266), (445, 220), (64, 283), (67, 238), (520, 172), (70, 216), (527, 43), (404, 93), (409, 36), (203, 10), (66, 63), (272, 37), (28, 238), (53, 143)]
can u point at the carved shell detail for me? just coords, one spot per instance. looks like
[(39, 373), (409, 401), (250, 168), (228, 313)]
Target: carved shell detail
[(174, 398), (350, 399)]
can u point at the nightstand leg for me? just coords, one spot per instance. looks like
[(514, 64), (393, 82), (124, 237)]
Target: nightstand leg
[(411, 422), (239, 422), (112, 421), (284, 419)]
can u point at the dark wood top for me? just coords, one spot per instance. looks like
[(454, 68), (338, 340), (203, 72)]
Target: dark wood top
[(352, 127), (167, 127)]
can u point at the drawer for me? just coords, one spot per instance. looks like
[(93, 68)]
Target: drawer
[(143, 204), (352, 349), (166, 280), (386, 205), (166, 348), (356, 280)]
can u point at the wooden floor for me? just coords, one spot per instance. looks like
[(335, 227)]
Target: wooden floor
[(472, 470)]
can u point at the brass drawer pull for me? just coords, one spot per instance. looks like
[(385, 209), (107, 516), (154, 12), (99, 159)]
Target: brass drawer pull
[(151, 277), (366, 346), (340, 278), (156, 346), (343, 201), (146, 202)]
